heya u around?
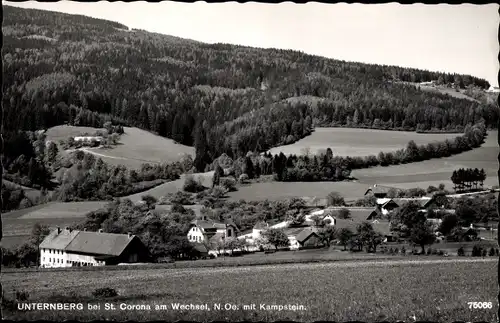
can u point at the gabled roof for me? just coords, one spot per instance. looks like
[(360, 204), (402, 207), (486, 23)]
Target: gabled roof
[(58, 241), (207, 224), (306, 233), (379, 189), (421, 201), (375, 214), (294, 231), (383, 201), (199, 247), (97, 243)]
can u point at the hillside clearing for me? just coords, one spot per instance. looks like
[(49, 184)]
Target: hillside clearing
[(135, 147), (327, 291), (357, 142)]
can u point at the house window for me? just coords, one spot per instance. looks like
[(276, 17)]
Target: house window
[(189, 237)]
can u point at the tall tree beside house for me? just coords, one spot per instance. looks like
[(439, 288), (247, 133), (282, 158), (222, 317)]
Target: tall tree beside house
[(422, 234), (367, 237), (344, 213), (345, 236), (218, 173), (405, 218), (335, 199), (276, 237), (248, 168), (327, 235)]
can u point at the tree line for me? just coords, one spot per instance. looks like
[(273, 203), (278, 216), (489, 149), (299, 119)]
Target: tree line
[(467, 179), (327, 167)]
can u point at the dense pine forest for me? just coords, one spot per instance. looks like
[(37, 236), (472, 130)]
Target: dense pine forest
[(219, 98)]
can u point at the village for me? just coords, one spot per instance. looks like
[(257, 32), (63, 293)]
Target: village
[(320, 227)]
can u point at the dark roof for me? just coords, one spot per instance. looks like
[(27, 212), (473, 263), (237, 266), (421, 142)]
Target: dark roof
[(380, 226), (207, 224), (375, 213), (97, 243), (422, 202), (379, 189), (293, 231), (199, 247), (306, 233)]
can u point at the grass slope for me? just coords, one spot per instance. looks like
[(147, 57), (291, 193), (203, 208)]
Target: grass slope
[(357, 142), (135, 147), (435, 171), (339, 291)]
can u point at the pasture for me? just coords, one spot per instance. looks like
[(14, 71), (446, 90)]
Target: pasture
[(138, 146), (357, 142), (281, 190), (134, 148), (435, 171), (371, 290)]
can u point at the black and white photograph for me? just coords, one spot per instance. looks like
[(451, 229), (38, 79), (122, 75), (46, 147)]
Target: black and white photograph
[(249, 162)]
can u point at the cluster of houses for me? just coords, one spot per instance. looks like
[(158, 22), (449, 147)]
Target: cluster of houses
[(68, 248)]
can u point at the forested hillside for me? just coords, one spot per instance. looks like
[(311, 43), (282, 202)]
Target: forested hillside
[(61, 68)]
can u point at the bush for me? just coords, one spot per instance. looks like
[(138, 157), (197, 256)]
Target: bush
[(484, 252), (403, 250), (434, 252), (391, 251), (476, 251), (492, 252), (461, 252), (243, 179), (191, 185), (441, 253), (429, 251), (228, 183), (105, 292), (396, 250)]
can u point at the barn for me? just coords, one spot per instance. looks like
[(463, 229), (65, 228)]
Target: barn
[(73, 248)]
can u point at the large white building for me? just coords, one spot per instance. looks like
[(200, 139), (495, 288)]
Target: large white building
[(69, 248)]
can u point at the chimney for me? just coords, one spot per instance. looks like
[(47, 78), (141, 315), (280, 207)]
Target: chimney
[(130, 235), (100, 230)]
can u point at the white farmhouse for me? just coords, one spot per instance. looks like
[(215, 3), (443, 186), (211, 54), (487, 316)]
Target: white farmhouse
[(206, 231), (88, 139), (68, 248)]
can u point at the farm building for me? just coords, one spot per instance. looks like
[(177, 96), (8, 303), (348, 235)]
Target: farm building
[(323, 215), (210, 231), (388, 205), (379, 191), (88, 139), (69, 248)]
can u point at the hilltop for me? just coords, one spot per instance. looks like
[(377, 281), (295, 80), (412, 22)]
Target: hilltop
[(219, 98)]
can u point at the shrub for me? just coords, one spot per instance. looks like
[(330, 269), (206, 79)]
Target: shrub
[(396, 250), (335, 199), (391, 251), (228, 183), (476, 251), (461, 252), (403, 250), (191, 185), (441, 253), (104, 292), (434, 252), (429, 251), (484, 252), (243, 179), (492, 252)]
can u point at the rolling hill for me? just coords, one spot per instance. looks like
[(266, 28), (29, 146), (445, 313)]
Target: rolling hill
[(219, 98)]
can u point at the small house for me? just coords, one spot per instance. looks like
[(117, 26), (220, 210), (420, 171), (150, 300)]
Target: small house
[(379, 191)]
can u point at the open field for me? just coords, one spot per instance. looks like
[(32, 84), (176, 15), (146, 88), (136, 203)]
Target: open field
[(435, 171), (443, 90), (135, 147), (280, 190), (357, 142), (341, 291), (138, 146)]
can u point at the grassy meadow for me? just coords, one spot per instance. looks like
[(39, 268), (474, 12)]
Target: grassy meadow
[(372, 290), (135, 147), (357, 142), (435, 171)]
